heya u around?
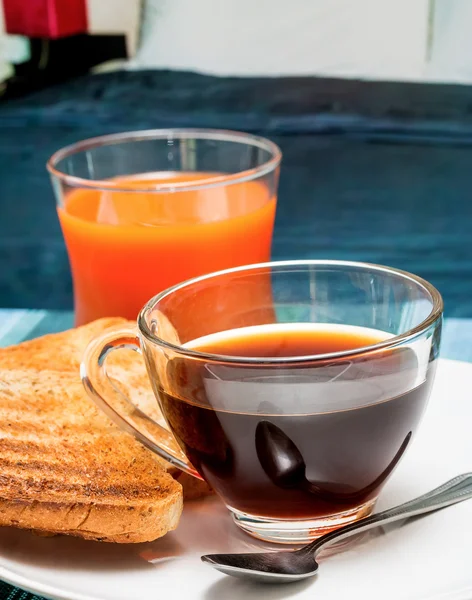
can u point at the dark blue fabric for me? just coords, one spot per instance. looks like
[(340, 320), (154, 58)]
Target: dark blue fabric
[(371, 171)]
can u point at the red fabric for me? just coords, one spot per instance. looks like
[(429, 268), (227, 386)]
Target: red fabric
[(45, 18)]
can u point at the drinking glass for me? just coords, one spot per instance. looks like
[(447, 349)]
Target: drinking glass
[(144, 210), (294, 444)]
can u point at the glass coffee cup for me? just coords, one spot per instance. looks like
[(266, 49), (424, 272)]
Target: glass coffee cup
[(293, 388)]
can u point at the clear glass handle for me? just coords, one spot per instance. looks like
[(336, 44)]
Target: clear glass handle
[(120, 408)]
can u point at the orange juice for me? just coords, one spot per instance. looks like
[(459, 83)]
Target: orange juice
[(126, 246)]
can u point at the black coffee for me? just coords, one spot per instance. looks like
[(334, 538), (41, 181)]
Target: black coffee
[(285, 442)]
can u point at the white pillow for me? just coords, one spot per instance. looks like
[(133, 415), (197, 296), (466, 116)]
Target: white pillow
[(384, 39)]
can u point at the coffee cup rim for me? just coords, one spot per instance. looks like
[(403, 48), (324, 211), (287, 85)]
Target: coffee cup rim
[(391, 342)]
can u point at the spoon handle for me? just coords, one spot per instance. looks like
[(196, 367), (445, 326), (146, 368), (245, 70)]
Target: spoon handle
[(451, 492)]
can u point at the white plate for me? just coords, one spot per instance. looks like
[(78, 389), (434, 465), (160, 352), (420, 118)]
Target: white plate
[(429, 558)]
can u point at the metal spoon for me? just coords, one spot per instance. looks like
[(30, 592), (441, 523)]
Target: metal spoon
[(283, 463), (288, 566)]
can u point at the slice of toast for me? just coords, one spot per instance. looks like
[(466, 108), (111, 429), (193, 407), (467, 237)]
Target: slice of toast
[(64, 467), (64, 351)]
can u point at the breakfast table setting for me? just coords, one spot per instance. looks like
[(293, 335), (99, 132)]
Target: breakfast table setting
[(257, 392)]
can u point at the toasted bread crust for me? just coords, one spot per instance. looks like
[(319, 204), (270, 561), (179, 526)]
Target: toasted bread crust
[(64, 466), (99, 522), (59, 351)]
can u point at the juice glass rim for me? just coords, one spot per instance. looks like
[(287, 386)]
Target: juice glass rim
[(434, 315), (221, 135)]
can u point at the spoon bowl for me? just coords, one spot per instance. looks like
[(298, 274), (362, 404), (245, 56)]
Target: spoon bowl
[(264, 567)]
